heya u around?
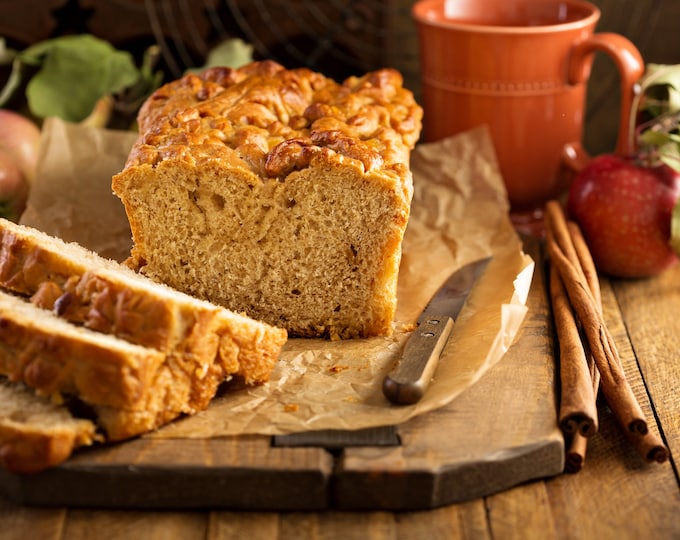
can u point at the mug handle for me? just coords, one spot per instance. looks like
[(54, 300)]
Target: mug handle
[(630, 65)]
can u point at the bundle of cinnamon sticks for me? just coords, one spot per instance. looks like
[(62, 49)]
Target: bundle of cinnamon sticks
[(588, 358)]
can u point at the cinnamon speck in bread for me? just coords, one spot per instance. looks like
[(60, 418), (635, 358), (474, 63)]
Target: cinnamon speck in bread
[(278, 193)]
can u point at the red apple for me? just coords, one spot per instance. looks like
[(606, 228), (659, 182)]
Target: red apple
[(13, 188), (20, 138), (624, 211)]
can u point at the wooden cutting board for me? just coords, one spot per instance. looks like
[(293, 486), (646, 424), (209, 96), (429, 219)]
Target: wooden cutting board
[(499, 433)]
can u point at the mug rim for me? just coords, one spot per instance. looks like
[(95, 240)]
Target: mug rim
[(421, 8)]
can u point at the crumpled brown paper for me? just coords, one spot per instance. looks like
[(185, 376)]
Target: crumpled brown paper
[(71, 197), (459, 214)]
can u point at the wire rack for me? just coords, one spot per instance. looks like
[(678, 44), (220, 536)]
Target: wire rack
[(336, 37)]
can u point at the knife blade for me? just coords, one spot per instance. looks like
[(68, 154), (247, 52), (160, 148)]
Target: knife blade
[(411, 375)]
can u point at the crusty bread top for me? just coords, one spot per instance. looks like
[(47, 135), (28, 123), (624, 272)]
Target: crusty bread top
[(272, 120)]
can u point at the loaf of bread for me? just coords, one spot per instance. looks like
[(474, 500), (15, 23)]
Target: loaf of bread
[(137, 353), (37, 433), (278, 193)]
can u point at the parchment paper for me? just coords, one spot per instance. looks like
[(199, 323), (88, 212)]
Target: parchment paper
[(459, 214), (71, 197)]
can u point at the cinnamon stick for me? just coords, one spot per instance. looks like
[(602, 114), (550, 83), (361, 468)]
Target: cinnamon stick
[(587, 306), (575, 456), (576, 452), (577, 412), (592, 279), (587, 264), (556, 223), (649, 446), (614, 384)]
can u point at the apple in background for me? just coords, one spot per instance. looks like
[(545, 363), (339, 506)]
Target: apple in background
[(20, 138), (19, 147), (624, 211), (13, 187)]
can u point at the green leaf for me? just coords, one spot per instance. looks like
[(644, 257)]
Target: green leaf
[(662, 82), (75, 71), (229, 53), (9, 57), (149, 79), (675, 228), (670, 155)]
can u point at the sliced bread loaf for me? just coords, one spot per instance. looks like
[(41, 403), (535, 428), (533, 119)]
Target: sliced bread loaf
[(201, 344)]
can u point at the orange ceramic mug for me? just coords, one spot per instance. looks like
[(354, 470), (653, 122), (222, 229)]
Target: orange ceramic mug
[(520, 67)]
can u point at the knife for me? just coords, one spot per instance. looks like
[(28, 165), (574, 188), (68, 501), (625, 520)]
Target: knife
[(411, 375)]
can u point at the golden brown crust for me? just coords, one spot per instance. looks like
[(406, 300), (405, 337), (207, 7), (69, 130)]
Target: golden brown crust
[(33, 451), (256, 112), (105, 300), (250, 347), (25, 265), (55, 357)]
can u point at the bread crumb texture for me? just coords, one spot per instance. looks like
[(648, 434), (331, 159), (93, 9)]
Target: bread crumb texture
[(278, 193)]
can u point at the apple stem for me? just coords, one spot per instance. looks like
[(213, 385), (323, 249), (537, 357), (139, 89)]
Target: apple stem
[(638, 93)]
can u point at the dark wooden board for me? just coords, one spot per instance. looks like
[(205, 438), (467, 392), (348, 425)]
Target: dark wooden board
[(499, 433)]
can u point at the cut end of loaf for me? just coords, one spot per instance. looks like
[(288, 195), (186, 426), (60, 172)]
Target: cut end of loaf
[(317, 255)]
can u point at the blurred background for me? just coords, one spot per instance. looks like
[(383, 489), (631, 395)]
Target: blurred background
[(336, 37)]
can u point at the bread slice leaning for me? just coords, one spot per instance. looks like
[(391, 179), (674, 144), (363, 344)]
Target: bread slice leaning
[(127, 388), (37, 433)]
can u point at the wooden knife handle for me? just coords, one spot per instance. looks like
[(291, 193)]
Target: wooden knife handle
[(413, 372)]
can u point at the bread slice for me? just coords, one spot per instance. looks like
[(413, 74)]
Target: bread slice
[(56, 357), (35, 432), (278, 193), (109, 297), (202, 344), (128, 389)]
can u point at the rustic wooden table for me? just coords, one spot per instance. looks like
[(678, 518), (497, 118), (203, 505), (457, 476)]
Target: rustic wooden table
[(615, 495)]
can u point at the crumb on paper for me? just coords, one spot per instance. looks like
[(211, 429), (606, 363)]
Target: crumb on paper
[(338, 369), (408, 327), (291, 407)]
